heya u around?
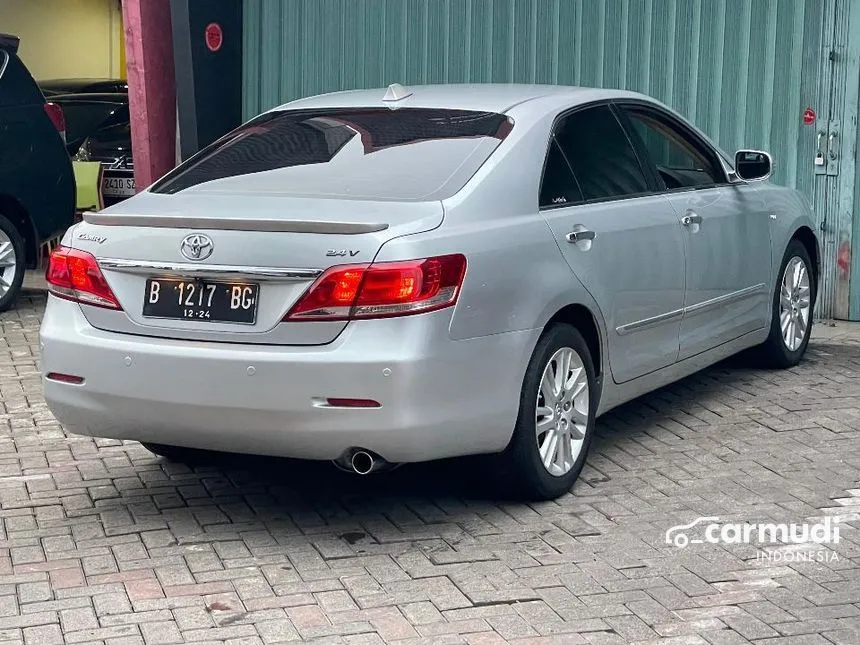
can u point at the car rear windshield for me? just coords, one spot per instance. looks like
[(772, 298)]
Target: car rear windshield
[(361, 153), (84, 117)]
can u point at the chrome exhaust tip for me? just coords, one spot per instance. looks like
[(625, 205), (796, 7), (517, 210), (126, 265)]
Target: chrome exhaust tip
[(362, 462)]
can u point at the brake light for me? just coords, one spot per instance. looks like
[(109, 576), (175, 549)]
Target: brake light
[(382, 290), (75, 275), (55, 113)]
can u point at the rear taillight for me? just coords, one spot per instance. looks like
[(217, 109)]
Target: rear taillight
[(75, 275), (55, 113), (382, 290)]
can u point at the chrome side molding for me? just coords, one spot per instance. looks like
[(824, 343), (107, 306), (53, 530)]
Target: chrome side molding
[(649, 322), (725, 299), (697, 308)]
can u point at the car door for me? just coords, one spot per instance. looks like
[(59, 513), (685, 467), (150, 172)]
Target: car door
[(726, 231), (623, 242)]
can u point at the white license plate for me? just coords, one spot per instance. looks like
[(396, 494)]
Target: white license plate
[(118, 186)]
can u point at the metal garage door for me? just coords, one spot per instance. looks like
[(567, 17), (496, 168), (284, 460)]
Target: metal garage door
[(742, 70)]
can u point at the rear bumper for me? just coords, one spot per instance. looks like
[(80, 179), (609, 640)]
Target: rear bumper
[(439, 398)]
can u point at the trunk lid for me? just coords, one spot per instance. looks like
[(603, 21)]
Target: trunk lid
[(277, 242)]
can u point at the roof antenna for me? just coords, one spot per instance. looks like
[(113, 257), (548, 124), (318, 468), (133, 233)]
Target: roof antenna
[(396, 92)]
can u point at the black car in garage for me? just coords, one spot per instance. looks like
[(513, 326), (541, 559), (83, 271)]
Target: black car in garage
[(98, 128), (58, 86), (37, 183)]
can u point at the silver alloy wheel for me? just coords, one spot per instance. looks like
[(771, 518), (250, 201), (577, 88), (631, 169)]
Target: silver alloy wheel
[(561, 416), (8, 263), (795, 303)]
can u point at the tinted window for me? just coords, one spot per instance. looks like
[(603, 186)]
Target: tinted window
[(558, 185), (410, 153), (601, 155), (679, 161), (83, 118)]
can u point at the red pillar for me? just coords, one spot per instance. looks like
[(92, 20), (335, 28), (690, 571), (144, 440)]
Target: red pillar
[(151, 87)]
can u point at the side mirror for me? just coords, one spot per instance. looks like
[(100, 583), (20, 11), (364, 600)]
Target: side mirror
[(753, 165)]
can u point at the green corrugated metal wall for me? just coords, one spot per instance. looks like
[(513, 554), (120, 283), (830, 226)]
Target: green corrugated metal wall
[(742, 70), (714, 60)]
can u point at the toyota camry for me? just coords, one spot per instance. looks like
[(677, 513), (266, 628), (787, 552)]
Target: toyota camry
[(379, 277)]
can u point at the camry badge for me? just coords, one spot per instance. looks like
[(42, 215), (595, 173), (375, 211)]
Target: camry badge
[(197, 247)]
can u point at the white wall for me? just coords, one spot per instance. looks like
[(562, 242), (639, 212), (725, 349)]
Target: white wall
[(67, 38)]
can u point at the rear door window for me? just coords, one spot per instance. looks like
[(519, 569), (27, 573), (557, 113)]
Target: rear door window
[(600, 154), (370, 153), (558, 186)]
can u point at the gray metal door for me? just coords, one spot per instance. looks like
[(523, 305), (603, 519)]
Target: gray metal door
[(726, 231), (634, 270), (833, 129), (728, 265), (624, 244)]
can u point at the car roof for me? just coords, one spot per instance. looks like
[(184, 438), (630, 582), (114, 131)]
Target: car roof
[(78, 81), (9, 43), (91, 97), (489, 97)]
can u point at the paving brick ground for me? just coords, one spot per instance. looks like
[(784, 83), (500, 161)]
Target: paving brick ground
[(100, 542)]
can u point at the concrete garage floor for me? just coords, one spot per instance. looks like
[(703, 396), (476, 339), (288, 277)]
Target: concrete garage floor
[(100, 542)]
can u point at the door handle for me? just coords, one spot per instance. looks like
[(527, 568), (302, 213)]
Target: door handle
[(691, 218), (579, 236), (831, 152)]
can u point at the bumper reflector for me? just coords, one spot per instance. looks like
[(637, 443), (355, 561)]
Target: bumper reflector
[(64, 378), (353, 403)]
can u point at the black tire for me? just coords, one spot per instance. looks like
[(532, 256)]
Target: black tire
[(773, 352), (8, 299), (520, 467), (177, 454)]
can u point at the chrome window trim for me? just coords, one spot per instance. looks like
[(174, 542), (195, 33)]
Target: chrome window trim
[(691, 309), (605, 200), (186, 269), (4, 62)]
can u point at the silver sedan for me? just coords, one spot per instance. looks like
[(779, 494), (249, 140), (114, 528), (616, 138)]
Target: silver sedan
[(406, 274)]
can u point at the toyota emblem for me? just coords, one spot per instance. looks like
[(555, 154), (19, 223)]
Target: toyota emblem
[(197, 247)]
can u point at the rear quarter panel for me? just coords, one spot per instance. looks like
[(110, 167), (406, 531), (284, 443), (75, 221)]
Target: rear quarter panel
[(516, 277)]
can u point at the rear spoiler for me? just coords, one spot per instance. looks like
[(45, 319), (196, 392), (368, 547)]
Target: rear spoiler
[(9, 43), (226, 224)]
